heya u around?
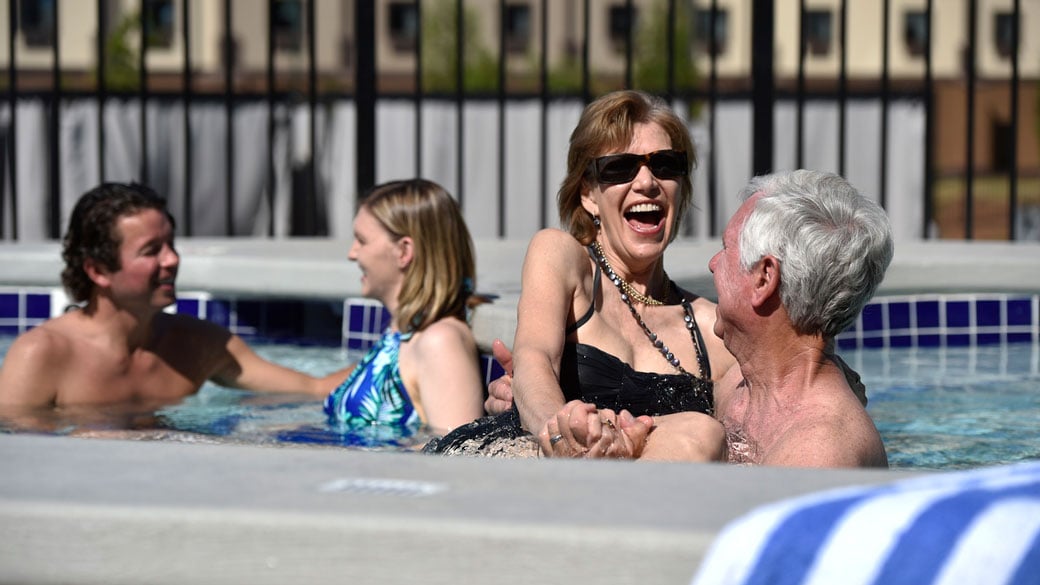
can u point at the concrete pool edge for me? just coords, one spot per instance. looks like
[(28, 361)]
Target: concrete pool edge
[(100, 511)]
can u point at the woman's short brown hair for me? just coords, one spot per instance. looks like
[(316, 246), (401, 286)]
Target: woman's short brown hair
[(607, 125)]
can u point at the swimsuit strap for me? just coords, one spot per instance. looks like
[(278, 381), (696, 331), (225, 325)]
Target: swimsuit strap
[(702, 351), (592, 308)]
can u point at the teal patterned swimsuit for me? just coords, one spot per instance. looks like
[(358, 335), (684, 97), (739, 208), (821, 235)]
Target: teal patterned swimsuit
[(374, 394)]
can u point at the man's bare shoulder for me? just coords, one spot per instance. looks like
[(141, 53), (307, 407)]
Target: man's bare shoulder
[(35, 361), (834, 432), (180, 328)]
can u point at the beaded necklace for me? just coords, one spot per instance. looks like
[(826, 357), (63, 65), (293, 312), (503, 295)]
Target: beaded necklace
[(624, 285), (601, 259)]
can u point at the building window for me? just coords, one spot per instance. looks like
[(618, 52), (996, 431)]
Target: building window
[(620, 21), (404, 25), (818, 32), (36, 19), (516, 24), (703, 28), (287, 24), (158, 21), (1004, 33), (915, 33)]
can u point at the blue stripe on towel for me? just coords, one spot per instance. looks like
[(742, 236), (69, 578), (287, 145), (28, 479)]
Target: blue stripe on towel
[(965, 527), (790, 551)]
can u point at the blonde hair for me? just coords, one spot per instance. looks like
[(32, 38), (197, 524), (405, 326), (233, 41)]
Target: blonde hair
[(607, 124), (441, 277)]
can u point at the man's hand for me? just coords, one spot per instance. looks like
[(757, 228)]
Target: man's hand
[(500, 391)]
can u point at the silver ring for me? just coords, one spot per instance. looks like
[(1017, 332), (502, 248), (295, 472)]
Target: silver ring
[(555, 439)]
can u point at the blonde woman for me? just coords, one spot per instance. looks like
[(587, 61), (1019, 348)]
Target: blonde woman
[(416, 257)]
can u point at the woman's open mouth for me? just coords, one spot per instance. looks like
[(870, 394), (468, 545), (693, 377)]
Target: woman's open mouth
[(645, 217)]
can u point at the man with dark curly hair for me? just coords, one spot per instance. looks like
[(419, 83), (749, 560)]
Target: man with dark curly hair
[(119, 346)]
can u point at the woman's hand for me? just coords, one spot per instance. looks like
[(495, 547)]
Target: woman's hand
[(580, 430)]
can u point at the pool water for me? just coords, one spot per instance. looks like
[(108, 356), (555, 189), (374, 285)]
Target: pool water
[(956, 407), (936, 408)]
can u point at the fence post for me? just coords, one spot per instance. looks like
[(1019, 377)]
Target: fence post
[(762, 18), (365, 95)]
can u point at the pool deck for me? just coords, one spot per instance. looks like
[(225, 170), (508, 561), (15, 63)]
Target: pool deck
[(318, 268), (101, 511)]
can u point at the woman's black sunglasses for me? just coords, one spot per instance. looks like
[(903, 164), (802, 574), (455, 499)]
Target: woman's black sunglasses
[(615, 169)]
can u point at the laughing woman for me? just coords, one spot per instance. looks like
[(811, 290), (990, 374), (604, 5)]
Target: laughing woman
[(416, 257), (605, 340)]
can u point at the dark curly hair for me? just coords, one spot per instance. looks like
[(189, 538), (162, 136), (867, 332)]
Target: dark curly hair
[(92, 234)]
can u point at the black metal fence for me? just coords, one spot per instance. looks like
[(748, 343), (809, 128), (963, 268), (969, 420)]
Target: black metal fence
[(763, 90)]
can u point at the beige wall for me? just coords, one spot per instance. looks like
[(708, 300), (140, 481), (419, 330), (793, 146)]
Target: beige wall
[(334, 22)]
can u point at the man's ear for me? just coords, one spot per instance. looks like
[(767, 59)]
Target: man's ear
[(405, 251), (766, 288), (98, 274)]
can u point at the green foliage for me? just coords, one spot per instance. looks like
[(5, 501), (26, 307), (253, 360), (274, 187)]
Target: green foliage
[(121, 59), (439, 50), (651, 61)]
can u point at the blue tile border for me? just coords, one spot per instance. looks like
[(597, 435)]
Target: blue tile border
[(947, 320), (921, 320)]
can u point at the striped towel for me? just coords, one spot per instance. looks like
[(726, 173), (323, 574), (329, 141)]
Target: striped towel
[(972, 527)]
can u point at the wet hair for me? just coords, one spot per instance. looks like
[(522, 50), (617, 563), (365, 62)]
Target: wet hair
[(441, 277), (606, 126), (834, 246), (92, 233)]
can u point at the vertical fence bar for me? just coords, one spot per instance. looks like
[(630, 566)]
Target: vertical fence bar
[(55, 146), (630, 16), (843, 86), (969, 198), (1013, 171), (762, 27), (418, 89), (229, 116), (586, 89), (365, 95), (501, 99), (799, 130), (187, 98), (142, 92), (12, 107), (102, 83), (460, 94), (713, 98), (272, 179), (543, 71), (669, 81), (884, 103), (929, 126), (315, 225)]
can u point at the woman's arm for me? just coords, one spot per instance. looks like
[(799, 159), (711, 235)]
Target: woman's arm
[(554, 267)]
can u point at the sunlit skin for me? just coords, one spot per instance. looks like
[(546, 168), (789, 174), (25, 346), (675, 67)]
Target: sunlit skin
[(381, 258)]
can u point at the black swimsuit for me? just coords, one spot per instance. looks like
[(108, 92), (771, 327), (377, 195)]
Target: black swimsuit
[(592, 375)]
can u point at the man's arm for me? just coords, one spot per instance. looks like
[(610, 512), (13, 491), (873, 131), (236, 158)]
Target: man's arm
[(246, 370)]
